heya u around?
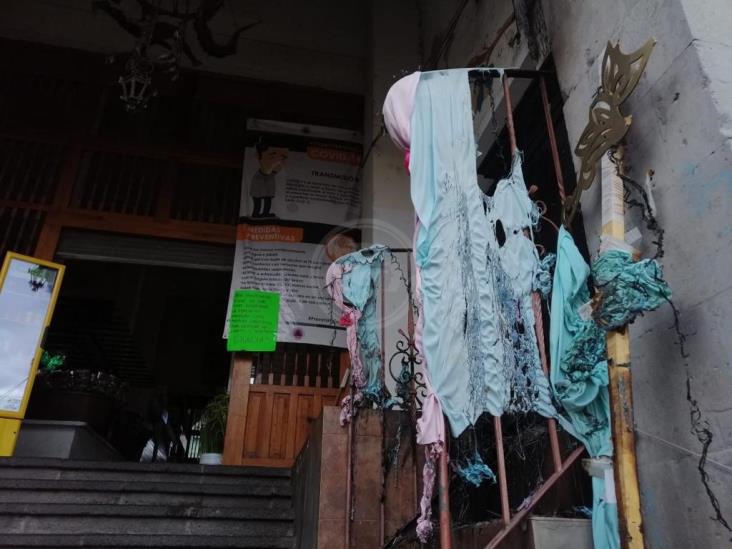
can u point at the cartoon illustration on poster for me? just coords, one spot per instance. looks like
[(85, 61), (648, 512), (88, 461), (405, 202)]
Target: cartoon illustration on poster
[(300, 198)]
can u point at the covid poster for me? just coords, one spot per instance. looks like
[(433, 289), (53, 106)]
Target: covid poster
[(300, 201)]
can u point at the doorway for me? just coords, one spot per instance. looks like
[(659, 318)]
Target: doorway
[(137, 333)]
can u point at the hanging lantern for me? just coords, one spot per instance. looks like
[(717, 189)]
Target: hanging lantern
[(136, 82), (160, 48), (37, 278)]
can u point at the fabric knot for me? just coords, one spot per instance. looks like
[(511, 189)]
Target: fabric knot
[(429, 472), (347, 319), (348, 406)]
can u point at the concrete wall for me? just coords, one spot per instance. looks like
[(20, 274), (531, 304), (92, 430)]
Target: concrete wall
[(320, 493), (682, 129), (316, 43), (388, 218)]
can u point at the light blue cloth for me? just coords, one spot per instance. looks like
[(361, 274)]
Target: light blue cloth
[(543, 275), (580, 381), (475, 471), (478, 336), (359, 288), (460, 336), (513, 264), (629, 288)]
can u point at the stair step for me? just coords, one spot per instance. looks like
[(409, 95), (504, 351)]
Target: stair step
[(260, 512), (81, 525), (127, 540), (261, 488), (178, 468), (63, 503), (47, 473), (101, 497)]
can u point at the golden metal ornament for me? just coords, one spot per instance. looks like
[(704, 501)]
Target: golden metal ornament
[(607, 125)]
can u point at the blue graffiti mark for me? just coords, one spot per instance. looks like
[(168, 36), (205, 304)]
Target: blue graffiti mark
[(652, 518), (703, 191)]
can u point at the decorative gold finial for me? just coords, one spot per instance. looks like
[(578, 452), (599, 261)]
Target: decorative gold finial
[(607, 125)]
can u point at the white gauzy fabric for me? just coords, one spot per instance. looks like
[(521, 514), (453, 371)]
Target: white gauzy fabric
[(398, 108), (511, 209)]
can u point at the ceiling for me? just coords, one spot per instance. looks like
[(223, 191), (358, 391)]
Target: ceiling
[(317, 43)]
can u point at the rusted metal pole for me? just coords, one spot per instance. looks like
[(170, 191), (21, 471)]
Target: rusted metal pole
[(349, 471), (383, 320), (621, 397), (412, 385), (535, 498), (497, 427), (382, 505), (445, 519), (502, 482), (509, 116), (551, 423), (536, 300), (552, 139)]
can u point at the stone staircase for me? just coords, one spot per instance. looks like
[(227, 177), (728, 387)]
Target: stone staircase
[(60, 503)]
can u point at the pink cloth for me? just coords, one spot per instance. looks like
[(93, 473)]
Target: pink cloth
[(431, 424), (349, 319), (424, 522), (347, 408), (398, 107)]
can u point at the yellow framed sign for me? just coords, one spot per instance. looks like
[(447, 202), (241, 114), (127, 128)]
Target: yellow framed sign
[(29, 288)]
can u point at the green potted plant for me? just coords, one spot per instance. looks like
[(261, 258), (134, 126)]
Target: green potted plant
[(62, 392), (213, 429)]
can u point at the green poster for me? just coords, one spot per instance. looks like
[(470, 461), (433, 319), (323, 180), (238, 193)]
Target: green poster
[(254, 320)]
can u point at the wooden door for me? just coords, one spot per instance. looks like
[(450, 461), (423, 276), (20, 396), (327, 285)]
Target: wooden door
[(274, 398)]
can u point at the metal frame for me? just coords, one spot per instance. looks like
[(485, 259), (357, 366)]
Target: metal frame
[(9, 257), (560, 466), (409, 357), (408, 379), (10, 420)]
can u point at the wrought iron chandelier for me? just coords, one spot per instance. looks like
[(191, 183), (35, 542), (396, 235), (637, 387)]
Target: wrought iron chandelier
[(161, 42)]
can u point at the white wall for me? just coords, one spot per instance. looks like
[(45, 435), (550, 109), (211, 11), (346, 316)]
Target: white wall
[(388, 213), (681, 130)]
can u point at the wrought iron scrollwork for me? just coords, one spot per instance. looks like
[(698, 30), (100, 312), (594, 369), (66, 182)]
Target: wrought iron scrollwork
[(411, 389)]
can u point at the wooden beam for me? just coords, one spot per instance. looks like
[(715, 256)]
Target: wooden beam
[(24, 205), (148, 226), (51, 232), (48, 238), (146, 150), (238, 404)]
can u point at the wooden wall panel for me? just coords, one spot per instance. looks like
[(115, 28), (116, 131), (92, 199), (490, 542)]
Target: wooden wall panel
[(278, 422), (279, 426), (270, 423), (305, 410), (255, 411)]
